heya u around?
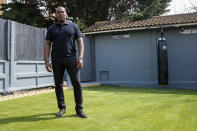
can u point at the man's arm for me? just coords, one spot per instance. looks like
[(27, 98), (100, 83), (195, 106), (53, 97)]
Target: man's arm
[(81, 52), (47, 48)]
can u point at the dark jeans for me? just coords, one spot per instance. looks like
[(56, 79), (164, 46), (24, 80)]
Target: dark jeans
[(58, 71)]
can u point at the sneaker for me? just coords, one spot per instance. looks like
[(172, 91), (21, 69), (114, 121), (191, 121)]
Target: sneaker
[(60, 113), (82, 114)]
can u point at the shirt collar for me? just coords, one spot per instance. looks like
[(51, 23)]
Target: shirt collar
[(67, 22)]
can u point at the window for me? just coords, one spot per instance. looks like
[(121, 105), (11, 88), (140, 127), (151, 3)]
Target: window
[(188, 31), (120, 36)]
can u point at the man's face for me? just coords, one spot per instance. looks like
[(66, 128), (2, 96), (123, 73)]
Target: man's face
[(61, 14)]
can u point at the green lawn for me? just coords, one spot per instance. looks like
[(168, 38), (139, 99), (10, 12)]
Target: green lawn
[(109, 109)]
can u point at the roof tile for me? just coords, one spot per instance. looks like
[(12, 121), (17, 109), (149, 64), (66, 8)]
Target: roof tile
[(154, 21)]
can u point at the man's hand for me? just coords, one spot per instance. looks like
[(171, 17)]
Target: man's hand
[(48, 66), (47, 47), (79, 63), (81, 52)]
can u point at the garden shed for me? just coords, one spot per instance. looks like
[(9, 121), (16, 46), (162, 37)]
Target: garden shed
[(125, 51)]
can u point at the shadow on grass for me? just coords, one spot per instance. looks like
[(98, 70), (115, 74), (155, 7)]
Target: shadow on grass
[(33, 118), (161, 90)]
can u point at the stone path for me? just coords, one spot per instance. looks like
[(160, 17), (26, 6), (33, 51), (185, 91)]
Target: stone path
[(19, 94)]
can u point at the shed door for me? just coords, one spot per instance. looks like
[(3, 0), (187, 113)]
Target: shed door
[(87, 70)]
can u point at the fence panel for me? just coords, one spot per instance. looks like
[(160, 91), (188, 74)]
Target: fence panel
[(24, 67), (29, 43), (22, 58), (31, 74), (4, 76)]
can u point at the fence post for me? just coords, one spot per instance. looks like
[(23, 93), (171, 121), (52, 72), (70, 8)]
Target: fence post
[(8, 39), (11, 54), (8, 58)]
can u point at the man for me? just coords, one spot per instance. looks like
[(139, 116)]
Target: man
[(62, 36)]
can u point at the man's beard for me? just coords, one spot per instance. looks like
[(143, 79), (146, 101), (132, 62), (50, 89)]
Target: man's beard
[(61, 20)]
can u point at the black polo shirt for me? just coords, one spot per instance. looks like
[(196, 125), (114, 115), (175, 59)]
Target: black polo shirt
[(63, 40)]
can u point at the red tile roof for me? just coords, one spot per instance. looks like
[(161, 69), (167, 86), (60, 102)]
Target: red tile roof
[(124, 24)]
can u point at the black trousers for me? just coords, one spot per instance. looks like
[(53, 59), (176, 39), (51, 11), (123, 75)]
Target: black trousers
[(58, 71)]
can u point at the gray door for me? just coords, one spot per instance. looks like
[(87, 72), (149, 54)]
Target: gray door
[(87, 70)]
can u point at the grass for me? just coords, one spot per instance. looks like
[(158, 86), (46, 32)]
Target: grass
[(109, 109)]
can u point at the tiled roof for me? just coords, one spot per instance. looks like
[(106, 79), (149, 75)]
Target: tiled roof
[(151, 22)]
